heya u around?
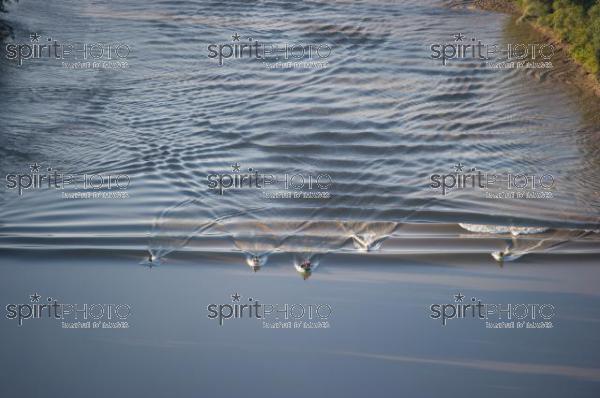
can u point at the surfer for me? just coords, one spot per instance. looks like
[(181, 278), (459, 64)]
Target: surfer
[(254, 262), (506, 253), (304, 268)]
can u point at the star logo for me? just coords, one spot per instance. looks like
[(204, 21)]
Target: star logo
[(235, 37), (458, 167), (459, 37), (34, 37), (35, 298), (35, 167), (458, 298), (235, 297), (235, 167)]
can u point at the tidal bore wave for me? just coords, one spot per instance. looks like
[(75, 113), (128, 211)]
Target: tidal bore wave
[(259, 232)]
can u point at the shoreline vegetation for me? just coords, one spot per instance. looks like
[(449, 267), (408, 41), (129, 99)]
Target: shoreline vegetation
[(572, 25)]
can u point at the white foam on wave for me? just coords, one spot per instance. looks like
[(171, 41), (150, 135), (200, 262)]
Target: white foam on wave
[(502, 229)]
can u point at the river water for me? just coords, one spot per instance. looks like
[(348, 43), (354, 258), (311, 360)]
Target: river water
[(351, 139)]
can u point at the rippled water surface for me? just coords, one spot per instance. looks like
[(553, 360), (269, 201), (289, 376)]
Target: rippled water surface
[(379, 120)]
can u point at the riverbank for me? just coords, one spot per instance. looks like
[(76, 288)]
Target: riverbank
[(585, 66), (506, 6)]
